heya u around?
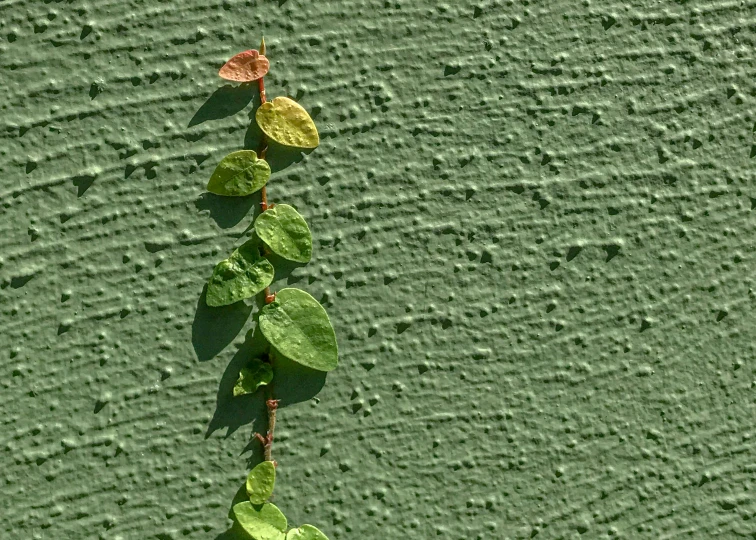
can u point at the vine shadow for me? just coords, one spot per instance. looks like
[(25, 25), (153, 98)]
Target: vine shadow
[(278, 156), (214, 328), (234, 412), (293, 383), (235, 532), (227, 212), (224, 102)]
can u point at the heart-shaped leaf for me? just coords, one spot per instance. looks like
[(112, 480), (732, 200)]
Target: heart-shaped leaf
[(244, 274), (252, 377), (260, 482), (238, 174), (286, 122), (262, 522), (286, 233), (245, 67), (306, 532), (298, 327)]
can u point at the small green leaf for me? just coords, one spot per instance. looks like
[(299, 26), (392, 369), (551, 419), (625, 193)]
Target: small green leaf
[(262, 522), (299, 328), (244, 274), (286, 122), (252, 377), (238, 174), (306, 532), (260, 482), (286, 233)]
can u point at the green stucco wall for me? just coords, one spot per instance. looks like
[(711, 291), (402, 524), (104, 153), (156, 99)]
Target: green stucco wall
[(534, 233)]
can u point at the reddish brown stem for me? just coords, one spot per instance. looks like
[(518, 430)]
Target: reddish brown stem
[(263, 141), (263, 151), (271, 403)]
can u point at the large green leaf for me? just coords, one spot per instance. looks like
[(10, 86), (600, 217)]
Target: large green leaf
[(262, 522), (239, 173), (306, 532), (299, 328), (252, 377), (286, 122), (260, 482), (286, 233), (244, 274)]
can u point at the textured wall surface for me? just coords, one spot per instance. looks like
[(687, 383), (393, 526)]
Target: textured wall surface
[(534, 228)]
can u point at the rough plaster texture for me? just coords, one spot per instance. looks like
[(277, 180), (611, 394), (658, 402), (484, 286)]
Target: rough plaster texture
[(534, 228)]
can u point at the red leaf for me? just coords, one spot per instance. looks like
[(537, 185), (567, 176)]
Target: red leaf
[(245, 67)]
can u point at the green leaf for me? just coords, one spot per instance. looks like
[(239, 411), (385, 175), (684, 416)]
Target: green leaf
[(244, 274), (299, 328), (238, 174), (252, 377), (306, 532), (260, 482), (286, 233), (262, 522), (286, 122)]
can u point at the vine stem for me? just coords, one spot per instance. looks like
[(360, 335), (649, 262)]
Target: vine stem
[(263, 151), (268, 447), (263, 141), (271, 403)]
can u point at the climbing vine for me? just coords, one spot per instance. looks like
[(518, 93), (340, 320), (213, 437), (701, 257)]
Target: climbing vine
[(293, 323)]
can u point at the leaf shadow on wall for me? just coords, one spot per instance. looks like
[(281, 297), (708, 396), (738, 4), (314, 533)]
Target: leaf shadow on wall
[(292, 384), (214, 328), (236, 532), (227, 212), (224, 102), (279, 157)]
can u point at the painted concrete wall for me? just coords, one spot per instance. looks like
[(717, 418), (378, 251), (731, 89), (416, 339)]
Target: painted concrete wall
[(534, 228)]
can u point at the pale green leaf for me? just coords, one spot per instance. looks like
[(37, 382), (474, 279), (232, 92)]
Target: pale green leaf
[(238, 174), (244, 274), (286, 233), (298, 327), (261, 522), (306, 532), (260, 482), (286, 122), (252, 377)]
